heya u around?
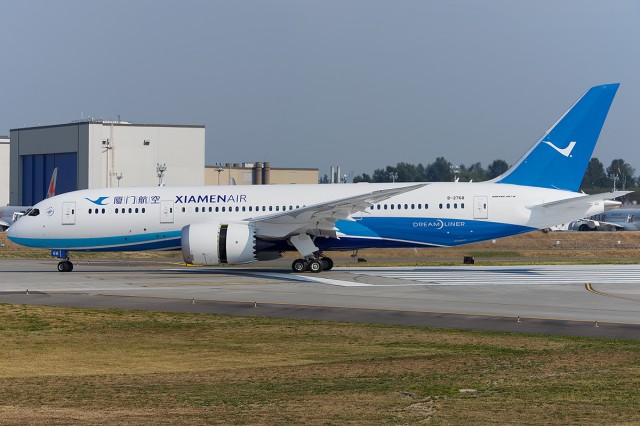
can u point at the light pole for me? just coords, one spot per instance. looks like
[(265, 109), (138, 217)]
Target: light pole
[(118, 177), (106, 147), (219, 169), (160, 169)]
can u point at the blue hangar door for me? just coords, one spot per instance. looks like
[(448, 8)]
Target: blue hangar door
[(36, 174)]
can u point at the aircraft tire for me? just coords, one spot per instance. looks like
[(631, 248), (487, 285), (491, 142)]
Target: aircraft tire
[(299, 265), (327, 263), (315, 266), (65, 266)]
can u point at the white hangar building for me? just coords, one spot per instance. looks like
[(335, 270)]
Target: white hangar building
[(4, 170), (98, 154)]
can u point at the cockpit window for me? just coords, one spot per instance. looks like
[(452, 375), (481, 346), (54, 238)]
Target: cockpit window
[(33, 212)]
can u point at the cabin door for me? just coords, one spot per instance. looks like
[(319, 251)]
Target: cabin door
[(480, 207), (69, 213), (166, 211)]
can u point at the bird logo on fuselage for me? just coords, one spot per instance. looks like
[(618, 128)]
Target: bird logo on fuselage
[(99, 201)]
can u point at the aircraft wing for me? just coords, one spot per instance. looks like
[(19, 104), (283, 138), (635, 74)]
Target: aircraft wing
[(585, 201), (320, 219)]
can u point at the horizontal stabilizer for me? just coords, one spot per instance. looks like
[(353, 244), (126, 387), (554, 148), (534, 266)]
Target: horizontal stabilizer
[(583, 201)]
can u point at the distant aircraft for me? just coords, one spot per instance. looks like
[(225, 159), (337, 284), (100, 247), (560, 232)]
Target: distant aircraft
[(622, 219), (9, 214), (243, 224)]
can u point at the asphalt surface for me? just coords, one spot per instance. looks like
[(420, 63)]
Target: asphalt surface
[(601, 301)]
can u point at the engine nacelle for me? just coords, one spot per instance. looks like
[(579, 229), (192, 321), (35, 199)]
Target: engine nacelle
[(214, 243)]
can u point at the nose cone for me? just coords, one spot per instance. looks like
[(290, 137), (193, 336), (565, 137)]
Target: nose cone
[(17, 232), (12, 232)]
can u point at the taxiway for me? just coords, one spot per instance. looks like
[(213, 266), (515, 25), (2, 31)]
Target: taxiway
[(589, 300)]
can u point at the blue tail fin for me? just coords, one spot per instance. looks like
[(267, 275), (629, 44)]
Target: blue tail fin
[(560, 158)]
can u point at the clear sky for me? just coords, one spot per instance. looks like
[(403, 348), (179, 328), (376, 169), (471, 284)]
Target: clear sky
[(361, 84)]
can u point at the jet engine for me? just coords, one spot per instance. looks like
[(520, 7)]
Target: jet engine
[(215, 243)]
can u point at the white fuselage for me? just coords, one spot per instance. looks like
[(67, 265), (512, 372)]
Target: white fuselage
[(437, 214)]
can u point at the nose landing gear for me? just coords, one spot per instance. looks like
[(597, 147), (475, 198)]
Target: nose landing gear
[(64, 265)]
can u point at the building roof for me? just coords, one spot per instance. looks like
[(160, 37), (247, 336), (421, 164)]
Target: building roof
[(109, 123)]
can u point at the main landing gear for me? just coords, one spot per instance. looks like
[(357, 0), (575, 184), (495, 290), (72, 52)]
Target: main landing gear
[(64, 265), (314, 265)]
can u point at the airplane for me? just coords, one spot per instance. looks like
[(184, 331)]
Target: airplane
[(9, 214), (244, 224), (622, 219)]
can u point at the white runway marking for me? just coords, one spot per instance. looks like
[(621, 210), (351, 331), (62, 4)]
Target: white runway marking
[(478, 275), (309, 278), (513, 275)]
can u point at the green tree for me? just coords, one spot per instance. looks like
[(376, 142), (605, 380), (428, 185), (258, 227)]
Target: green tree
[(474, 172), (595, 177), (439, 171), (497, 168), (624, 172), (383, 175), (362, 178)]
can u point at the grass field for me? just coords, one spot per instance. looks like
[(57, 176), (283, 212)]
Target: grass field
[(62, 366)]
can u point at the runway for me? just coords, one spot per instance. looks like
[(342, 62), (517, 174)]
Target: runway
[(589, 300)]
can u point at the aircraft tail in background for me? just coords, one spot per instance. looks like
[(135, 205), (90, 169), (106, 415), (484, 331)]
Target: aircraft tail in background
[(52, 183), (559, 160)]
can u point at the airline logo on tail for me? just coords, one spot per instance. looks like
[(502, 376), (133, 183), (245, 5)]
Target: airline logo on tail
[(564, 151)]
